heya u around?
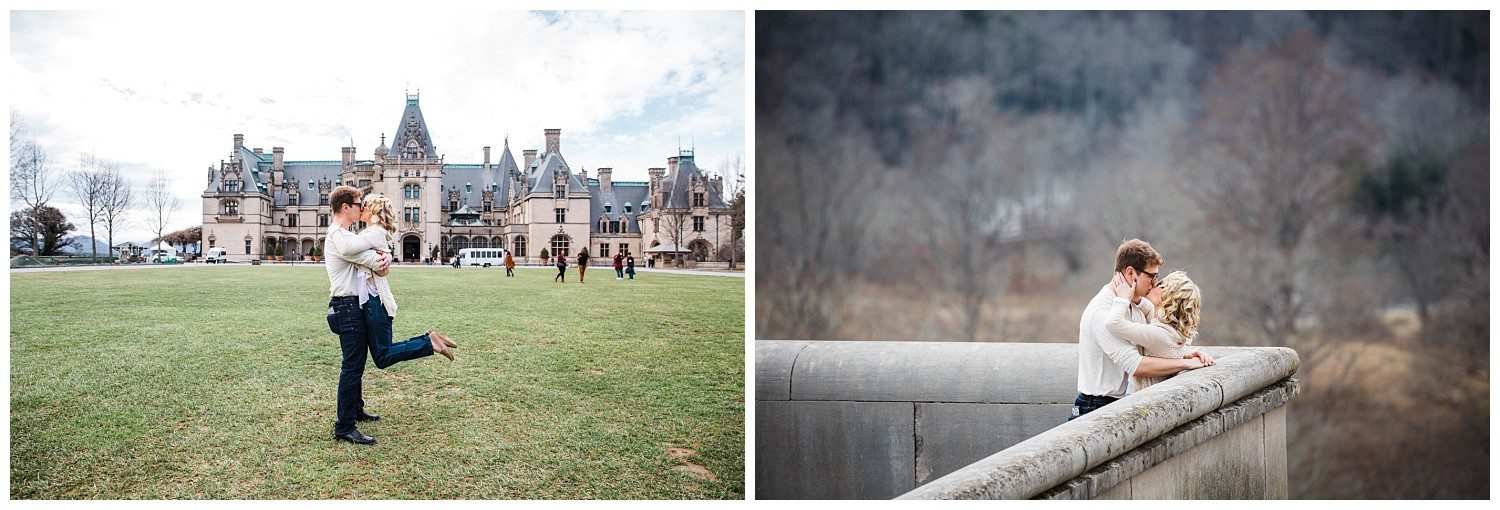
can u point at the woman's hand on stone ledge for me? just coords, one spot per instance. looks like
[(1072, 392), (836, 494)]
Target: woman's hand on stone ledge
[(1203, 358)]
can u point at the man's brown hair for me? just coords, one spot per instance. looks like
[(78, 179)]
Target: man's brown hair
[(1137, 254), (342, 196)]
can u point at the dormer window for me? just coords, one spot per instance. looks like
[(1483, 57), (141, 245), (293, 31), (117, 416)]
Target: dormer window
[(627, 208), (560, 191), (468, 188), (699, 200), (607, 207), (311, 185), (232, 186), (322, 199)]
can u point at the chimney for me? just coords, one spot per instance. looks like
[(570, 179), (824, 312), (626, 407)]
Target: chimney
[(529, 155), (655, 179), (584, 174), (276, 166), (348, 155), (239, 141), (672, 165), (553, 144), (604, 180), (257, 151), (486, 156)]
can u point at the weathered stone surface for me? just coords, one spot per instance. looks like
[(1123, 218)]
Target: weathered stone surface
[(1121, 491), (773, 368), (1042, 461), (951, 436), (1276, 467), (833, 450), (1228, 466), (1122, 468), (1113, 430), (999, 373)]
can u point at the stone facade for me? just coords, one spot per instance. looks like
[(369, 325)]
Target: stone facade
[(256, 202)]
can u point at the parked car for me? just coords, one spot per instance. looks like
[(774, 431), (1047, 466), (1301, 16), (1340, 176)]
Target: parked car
[(164, 258), (216, 256)]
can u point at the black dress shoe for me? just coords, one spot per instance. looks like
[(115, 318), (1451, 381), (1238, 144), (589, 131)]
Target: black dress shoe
[(355, 436), (367, 417)]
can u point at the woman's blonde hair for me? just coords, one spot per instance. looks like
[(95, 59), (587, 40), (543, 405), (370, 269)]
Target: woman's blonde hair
[(382, 213), (1181, 302)]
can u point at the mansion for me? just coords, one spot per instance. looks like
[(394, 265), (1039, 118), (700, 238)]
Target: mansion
[(257, 204)]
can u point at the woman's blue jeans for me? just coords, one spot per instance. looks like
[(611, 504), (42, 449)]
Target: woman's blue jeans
[(382, 351)]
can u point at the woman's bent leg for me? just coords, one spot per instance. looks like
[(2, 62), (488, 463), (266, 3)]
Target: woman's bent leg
[(385, 353)]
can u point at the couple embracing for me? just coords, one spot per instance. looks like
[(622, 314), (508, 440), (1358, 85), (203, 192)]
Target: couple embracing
[(361, 307), (1137, 331)]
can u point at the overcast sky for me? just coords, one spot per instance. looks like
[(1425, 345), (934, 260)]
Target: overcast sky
[(168, 90)]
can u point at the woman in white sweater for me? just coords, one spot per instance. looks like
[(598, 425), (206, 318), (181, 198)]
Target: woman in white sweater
[(380, 215), (1173, 320)]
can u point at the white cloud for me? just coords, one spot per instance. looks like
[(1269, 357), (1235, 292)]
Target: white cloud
[(168, 90)]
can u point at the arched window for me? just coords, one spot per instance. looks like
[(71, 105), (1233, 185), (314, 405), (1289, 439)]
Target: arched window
[(481, 242), (560, 245), (460, 243), (229, 207), (519, 246)]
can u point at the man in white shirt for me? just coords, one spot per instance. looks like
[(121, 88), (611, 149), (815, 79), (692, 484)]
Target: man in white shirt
[(347, 292), (1105, 363)]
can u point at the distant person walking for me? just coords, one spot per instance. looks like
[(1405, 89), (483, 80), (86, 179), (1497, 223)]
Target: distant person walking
[(562, 269), (510, 265), (619, 266), (630, 266), (583, 263)]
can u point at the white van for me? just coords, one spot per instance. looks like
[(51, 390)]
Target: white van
[(216, 255), (483, 257)]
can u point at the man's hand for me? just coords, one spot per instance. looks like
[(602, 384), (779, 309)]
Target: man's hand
[(1202, 357), (383, 262)]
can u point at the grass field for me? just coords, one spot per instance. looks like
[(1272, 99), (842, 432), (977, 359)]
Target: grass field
[(219, 382)]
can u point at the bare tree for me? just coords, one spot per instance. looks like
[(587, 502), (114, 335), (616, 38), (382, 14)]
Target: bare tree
[(86, 185), (675, 220), (115, 201), (31, 179), (1280, 129), (975, 199), (160, 202)]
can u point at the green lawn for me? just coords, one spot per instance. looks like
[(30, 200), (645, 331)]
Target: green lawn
[(219, 382)]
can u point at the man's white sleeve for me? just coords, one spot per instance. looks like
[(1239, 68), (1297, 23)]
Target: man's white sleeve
[(1122, 353)]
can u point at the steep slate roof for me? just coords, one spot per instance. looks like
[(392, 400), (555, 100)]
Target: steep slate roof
[(540, 174), (620, 193), (680, 186), (307, 172), (412, 115), (256, 175)]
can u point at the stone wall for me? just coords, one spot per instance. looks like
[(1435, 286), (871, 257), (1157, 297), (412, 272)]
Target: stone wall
[(880, 419)]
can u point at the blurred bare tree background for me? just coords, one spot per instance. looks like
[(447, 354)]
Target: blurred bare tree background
[(1323, 176)]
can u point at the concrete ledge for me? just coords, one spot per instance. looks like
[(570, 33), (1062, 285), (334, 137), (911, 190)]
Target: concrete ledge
[(1070, 450), (1101, 479)]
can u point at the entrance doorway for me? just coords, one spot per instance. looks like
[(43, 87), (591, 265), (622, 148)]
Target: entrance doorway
[(411, 248)]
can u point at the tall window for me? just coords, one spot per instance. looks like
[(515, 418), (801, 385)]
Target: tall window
[(562, 215), (519, 246), (699, 200), (230, 207), (322, 199), (247, 246), (624, 248), (603, 249), (698, 223), (559, 245), (232, 186), (614, 226), (486, 207), (411, 214), (291, 219), (453, 205), (322, 220), (560, 191), (411, 191)]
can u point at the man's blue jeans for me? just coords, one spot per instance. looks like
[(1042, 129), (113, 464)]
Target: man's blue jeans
[(378, 325), (345, 319)]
